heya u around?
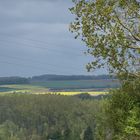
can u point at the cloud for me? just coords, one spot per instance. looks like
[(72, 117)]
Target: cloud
[(35, 11), (27, 26)]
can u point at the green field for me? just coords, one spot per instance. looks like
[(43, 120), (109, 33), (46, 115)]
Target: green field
[(93, 87), (78, 84), (6, 89), (21, 89)]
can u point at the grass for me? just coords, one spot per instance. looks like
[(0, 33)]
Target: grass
[(75, 93), (32, 89), (67, 87), (78, 84)]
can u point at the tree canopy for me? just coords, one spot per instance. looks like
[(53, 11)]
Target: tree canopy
[(111, 31), (49, 117)]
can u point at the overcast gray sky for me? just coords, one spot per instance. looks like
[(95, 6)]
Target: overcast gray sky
[(35, 39)]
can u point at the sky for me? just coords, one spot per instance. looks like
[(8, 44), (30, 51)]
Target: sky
[(35, 39)]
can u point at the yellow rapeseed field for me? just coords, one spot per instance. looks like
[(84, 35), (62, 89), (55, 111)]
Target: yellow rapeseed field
[(93, 93)]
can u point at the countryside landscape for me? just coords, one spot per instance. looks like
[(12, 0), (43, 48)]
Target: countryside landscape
[(58, 84), (70, 70)]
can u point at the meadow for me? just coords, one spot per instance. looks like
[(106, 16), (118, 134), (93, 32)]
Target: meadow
[(78, 84), (27, 89), (67, 87)]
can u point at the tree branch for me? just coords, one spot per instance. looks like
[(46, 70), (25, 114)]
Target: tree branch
[(125, 27)]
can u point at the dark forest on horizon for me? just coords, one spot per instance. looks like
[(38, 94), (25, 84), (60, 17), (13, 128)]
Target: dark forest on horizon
[(44, 78)]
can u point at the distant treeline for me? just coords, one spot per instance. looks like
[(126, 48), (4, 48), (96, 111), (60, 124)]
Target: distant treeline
[(13, 80), (44, 78)]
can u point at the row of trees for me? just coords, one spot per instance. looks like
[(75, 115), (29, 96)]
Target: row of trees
[(45, 78), (45, 117), (13, 80)]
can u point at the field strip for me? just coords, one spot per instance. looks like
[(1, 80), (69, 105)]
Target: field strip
[(93, 93)]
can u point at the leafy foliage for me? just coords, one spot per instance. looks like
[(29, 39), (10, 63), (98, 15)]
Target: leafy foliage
[(124, 112), (44, 117), (111, 30)]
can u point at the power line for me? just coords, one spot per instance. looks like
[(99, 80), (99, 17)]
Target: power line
[(33, 68), (28, 66), (46, 43), (33, 40), (36, 40), (49, 71), (41, 48), (26, 59), (23, 59), (38, 47)]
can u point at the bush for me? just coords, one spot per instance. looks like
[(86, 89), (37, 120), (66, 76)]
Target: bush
[(124, 112)]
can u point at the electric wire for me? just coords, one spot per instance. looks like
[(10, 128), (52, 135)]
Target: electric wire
[(36, 40), (37, 62)]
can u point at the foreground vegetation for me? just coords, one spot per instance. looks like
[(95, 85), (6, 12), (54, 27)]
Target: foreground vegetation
[(82, 117), (42, 117), (111, 31), (124, 112)]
